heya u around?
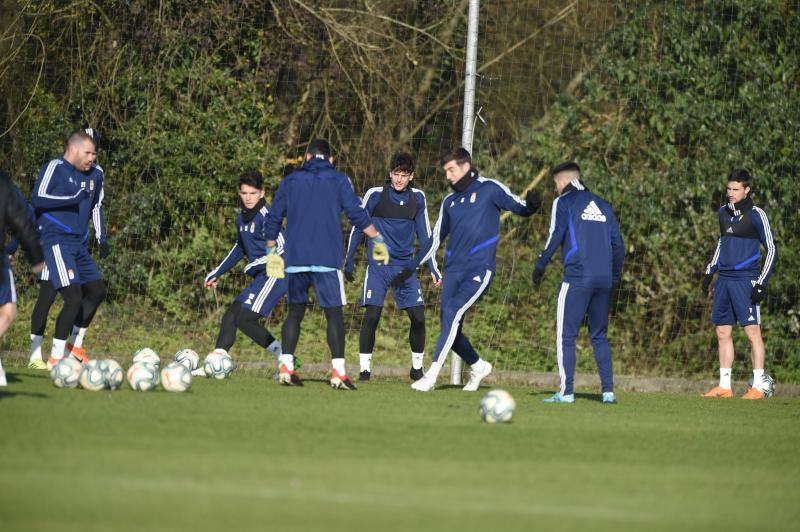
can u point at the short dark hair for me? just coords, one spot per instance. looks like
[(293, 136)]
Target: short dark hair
[(80, 136), (459, 155), (252, 178), (319, 147), (566, 166), (402, 162), (740, 175)]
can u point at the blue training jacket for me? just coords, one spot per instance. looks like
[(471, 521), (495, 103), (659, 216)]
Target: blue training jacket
[(471, 219), (586, 229), (743, 229), (251, 242), (398, 232), (65, 199), (311, 199), (13, 243)]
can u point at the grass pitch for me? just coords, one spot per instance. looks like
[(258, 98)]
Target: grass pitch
[(247, 454)]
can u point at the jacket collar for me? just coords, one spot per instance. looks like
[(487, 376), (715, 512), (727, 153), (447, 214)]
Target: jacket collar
[(464, 183), (249, 214), (575, 184), (737, 209), (317, 161)]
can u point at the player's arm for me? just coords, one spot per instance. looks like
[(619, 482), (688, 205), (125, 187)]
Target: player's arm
[(20, 225), (617, 250), (234, 255), (508, 201), (356, 237), (428, 250), (559, 221), (712, 267), (360, 218), (275, 216), (423, 228), (99, 221), (44, 196), (761, 223)]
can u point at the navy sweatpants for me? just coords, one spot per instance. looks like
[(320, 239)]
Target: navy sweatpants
[(575, 302)]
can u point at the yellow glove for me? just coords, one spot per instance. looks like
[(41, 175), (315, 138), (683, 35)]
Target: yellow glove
[(274, 263), (380, 252)]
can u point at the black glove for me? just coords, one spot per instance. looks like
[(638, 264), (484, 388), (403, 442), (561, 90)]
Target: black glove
[(707, 282), (537, 276), (104, 249), (758, 294), (349, 276), (401, 277), (533, 200)]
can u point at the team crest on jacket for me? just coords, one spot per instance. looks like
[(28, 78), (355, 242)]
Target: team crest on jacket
[(252, 227), (91, 184), (473, 197)]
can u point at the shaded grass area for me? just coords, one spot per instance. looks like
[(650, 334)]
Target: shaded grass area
[(246, 454)]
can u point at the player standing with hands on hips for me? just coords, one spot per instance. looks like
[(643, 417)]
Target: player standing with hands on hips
[(470, 217), (312, 199), (398, 212), (740, 286), (586, 229)]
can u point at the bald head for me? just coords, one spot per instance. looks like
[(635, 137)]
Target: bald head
[(81, 151)]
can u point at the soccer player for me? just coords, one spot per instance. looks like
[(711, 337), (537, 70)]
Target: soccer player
[(311, 199), (92, 296), (398, 211), (584, 226), (741, 286), (68, 191), (14, 215), (470, 216), (264, 292)]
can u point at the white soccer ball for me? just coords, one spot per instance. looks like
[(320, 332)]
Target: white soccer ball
[(175, 377), (67, 373), (143, 377), (146, 355), (218, 365), (767, 385), (497, 406), (92, 376), (188, 358), (113, 373)]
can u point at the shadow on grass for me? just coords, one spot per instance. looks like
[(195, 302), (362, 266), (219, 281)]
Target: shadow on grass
[(598, 397), (8, 394)]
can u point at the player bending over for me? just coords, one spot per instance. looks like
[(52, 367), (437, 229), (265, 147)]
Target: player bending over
[(398, 211), (312, 199), (741, 286), (470, 217), (264, 292)]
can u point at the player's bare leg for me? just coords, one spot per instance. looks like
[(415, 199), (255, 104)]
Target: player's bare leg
[(757, 356), (726, 354)]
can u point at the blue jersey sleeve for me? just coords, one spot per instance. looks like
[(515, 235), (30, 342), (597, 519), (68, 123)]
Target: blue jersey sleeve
[(356, 236), (423, 229), (713, 266), (234, 255), (45, 198), (276, 214), (761, 223), (351, 204), (617, 249), (558, 226), (13, 243), (440, 232), (98, 217), (505, 200)]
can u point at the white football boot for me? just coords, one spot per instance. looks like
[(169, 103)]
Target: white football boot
[(478, 371), (425, 384), (3, 381)]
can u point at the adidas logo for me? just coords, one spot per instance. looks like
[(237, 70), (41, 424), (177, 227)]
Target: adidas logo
[(730, 230), (593, 213)]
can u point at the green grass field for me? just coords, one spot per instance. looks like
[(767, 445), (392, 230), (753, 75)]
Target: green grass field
[(247, 454)]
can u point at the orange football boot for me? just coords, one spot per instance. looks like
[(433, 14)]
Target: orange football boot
[(79, 353), (753, 393), (719, 391)]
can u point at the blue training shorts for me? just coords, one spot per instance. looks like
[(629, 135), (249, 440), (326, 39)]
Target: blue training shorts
[(377, 282), (68, 264), (263, 294), (732, 303), (329, 287), (8, 293)]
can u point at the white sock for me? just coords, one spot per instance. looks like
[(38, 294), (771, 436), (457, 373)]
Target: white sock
[(57, 350), (275, 349), (36, 347), (725, 378), (287, 360), (433, 371), (365, 360), (416, 360), (77, 336), (338, 365), (758, 375), (478, 366)]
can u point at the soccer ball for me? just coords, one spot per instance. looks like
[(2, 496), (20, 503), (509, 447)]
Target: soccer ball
[(66, 373), (767, 385), (175, 377), (113, 373), (143, 377), (218, 365), (92, 376), (497, 406), (189, 358), (146, 355)]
